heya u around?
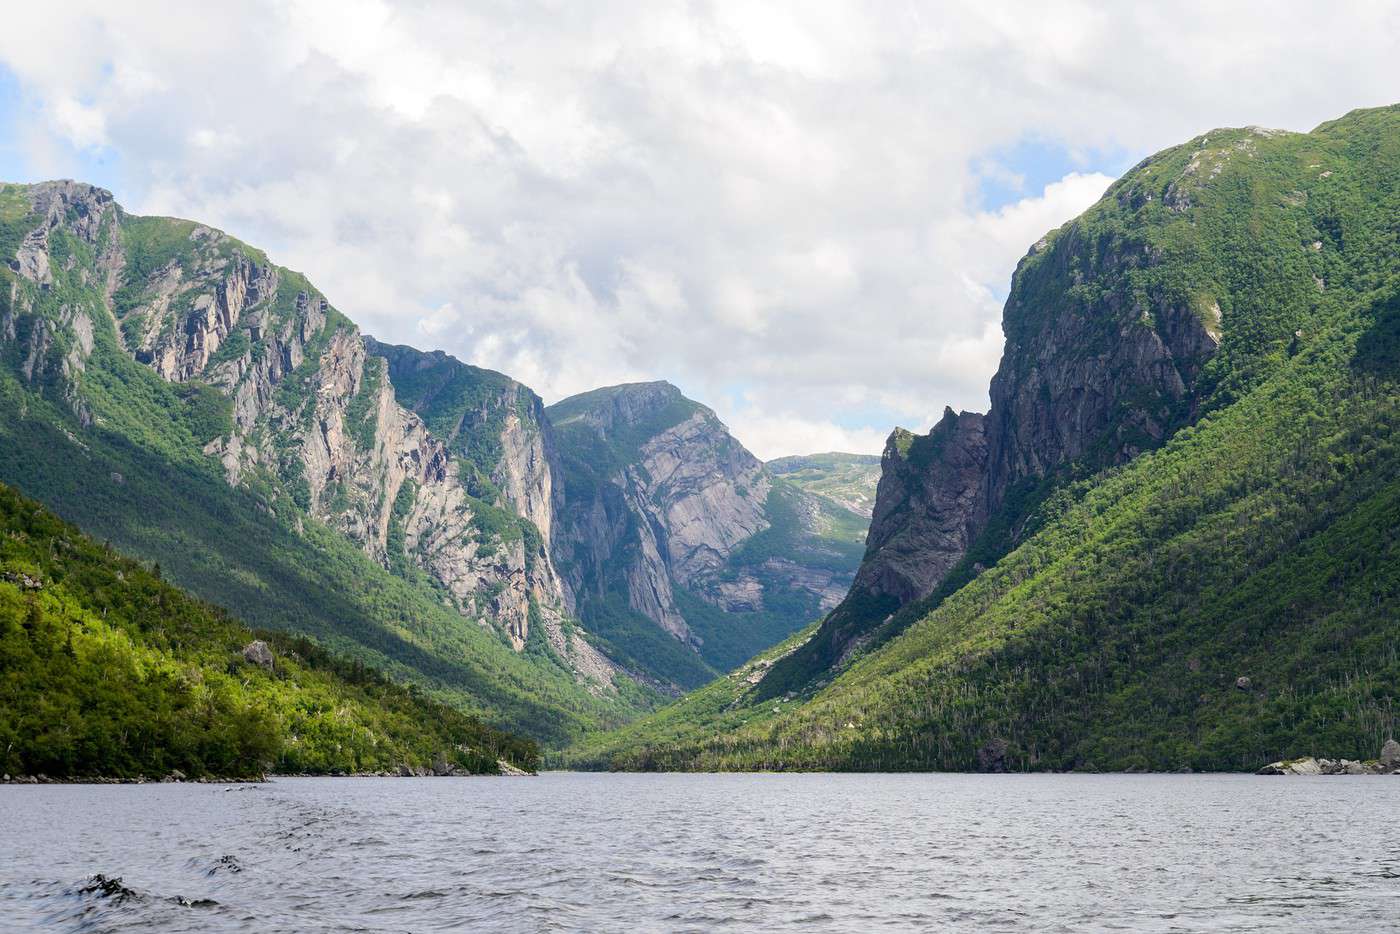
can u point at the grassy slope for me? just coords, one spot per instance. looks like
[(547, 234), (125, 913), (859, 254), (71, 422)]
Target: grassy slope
[(240, 547), (1262, 542), (107, 670), (847, 479)]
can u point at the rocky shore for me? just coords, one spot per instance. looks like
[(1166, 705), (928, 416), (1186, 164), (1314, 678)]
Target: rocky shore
[(439, 769), (1387, 763)]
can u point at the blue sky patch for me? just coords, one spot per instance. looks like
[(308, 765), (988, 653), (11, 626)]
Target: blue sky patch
[(1023, 169)]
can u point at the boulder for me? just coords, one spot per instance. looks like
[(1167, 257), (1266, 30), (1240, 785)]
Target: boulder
[(258, 653), (1243, 682), (1390, 754), (1305, 766)]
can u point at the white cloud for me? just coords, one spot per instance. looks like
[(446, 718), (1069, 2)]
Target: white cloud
[(781, 197), (81, 125)]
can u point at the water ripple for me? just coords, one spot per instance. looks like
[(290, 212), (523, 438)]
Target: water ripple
[(701, 853)]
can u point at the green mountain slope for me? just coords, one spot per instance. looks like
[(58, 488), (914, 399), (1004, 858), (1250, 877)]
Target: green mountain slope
[(138, 405), (105, 670), (849, 480), (1207, 575)]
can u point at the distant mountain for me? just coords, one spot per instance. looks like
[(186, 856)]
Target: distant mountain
[(106, 670), (683, 553), (1174, 539), (849, 480)]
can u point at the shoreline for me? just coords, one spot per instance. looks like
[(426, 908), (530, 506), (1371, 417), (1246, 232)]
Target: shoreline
[(507, 770)]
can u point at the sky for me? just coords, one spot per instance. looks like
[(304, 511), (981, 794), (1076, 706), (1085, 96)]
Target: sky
[(806, 215)]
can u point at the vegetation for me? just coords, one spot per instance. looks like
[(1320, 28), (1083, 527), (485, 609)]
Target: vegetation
[(106, 670), (849, 480), (467, 407), (1226, 599), (593, 445), (813, 532)]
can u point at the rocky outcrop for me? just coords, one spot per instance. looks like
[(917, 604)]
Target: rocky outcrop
[(1390, 754), (490, 420), (187, 317), (929, 506), (1097, 368), (54, 349), (1311, 766), (259, 653)]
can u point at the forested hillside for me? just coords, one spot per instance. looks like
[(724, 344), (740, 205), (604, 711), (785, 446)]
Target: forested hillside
[(106, 670)]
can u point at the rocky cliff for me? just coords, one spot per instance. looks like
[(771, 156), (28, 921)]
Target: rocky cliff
[(668, 521)]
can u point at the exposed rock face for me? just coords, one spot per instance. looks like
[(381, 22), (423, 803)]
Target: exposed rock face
[(54, 351), (177, 334), (1104, 379), (1311, 766), (659, 498), (485, 417), (1089, 377), (1390, 754), (928, 508), (675, 494)]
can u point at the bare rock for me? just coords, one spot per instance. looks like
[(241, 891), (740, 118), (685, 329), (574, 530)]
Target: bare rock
[(259, 653), (1390, 754), (1305, 766)]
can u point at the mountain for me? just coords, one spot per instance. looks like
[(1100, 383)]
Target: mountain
[(682, 552), (849, 480), (1171, 542), (167, 387), (106, 670)]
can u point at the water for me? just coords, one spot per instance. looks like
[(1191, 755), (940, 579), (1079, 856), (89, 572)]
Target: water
[(642, 853)]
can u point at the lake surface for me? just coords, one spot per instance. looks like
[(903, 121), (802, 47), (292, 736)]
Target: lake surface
[(638, 853)]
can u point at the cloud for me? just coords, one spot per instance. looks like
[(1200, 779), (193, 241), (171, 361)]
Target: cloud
[(775, 206)]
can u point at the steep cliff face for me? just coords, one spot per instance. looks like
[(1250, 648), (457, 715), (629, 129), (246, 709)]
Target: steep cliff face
[(299, 405), (667, 522), (504, 465), (929, 506), (493, 423)]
